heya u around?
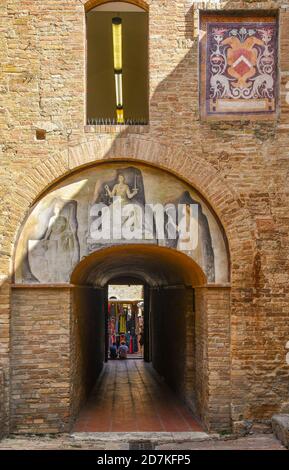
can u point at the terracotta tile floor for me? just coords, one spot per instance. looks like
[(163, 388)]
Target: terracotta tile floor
[(129, 397)]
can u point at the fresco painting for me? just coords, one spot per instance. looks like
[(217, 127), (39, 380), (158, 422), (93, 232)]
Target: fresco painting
[(64, 226)]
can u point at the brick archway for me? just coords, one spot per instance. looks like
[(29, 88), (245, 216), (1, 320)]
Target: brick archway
[(204, 178), (190, 168), (90, 4)]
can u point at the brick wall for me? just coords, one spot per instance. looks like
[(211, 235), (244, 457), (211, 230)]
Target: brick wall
[(87, 343), (57, 354), (40, 361), (126, 292), (212, 388), (201, 355), (5, 350), (172, 338), (218, 410), (191, 350), (2, 408)]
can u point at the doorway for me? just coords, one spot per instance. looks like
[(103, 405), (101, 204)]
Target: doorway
[(125, 317), (146, 291), (143, 392)]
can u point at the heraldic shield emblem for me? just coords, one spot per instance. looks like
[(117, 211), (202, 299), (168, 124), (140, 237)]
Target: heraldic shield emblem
[(239, 64)]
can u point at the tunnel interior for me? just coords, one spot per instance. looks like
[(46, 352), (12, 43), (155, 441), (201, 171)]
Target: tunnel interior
[(169, 279)]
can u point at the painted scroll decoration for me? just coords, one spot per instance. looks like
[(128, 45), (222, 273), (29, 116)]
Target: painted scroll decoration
[(241, 65)]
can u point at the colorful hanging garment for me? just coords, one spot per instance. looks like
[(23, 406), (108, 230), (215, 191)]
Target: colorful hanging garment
[(135, 344), (122, 322)]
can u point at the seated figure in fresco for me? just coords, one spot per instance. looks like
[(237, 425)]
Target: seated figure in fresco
[(52, 258)]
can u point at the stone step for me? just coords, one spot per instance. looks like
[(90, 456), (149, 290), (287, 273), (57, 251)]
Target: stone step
[(155, 437), (280, 426)]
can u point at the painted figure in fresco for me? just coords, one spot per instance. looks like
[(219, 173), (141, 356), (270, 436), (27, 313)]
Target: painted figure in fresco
[(64, 246), (122, 190), (184, 228), (193, 234), (121, 193), (188, 231), (125, 218), (53, 258)]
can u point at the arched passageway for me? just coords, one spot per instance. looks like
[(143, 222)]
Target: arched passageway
[(132, 395), (65, 258)]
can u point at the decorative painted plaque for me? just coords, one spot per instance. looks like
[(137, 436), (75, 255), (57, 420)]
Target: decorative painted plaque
[(238, 69)]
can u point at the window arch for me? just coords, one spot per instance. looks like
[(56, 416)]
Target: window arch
[(117, 62), (90, 4)]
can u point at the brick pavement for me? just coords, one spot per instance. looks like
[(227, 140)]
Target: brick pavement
[(129, 397)]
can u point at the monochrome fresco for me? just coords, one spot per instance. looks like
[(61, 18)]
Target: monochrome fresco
[(204, 250), (239, 64), (116, 204), (127, 188)]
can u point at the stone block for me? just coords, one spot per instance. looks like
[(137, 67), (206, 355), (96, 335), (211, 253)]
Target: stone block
[(280, 425)]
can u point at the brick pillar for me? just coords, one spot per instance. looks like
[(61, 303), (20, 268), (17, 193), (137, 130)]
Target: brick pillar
[(213, 386), (40, 362), (87, 343), (4, 352), (2, 421), (173, 339), (189, 376)]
